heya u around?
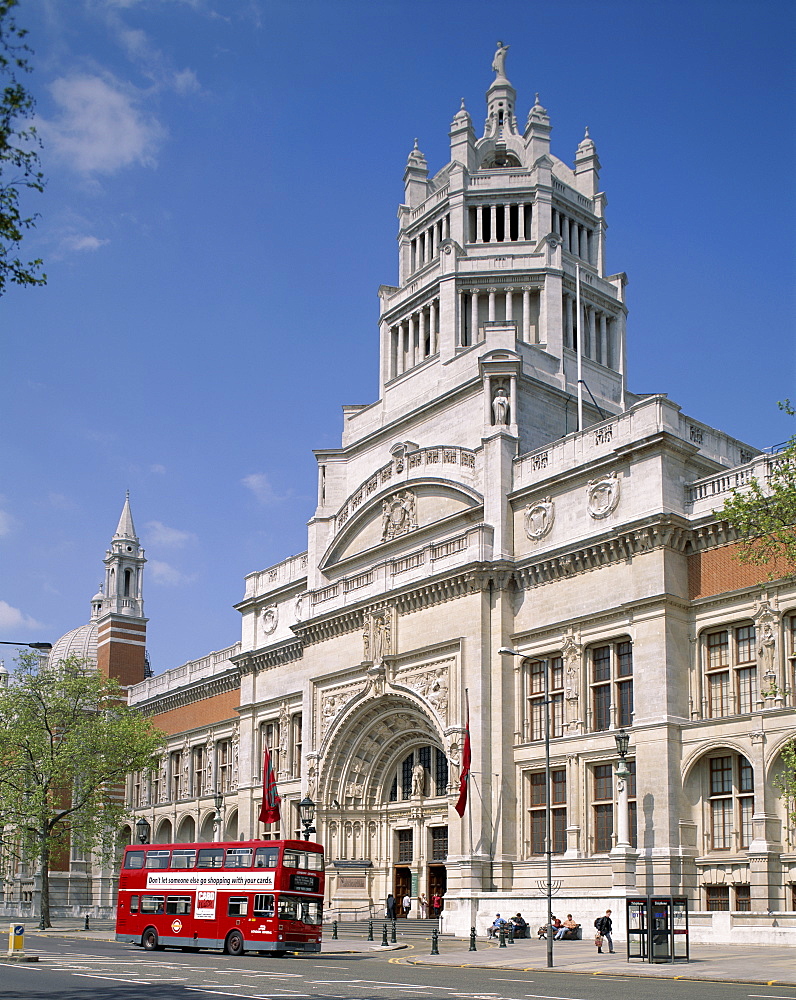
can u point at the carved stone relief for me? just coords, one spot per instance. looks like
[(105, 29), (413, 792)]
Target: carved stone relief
[(571, 653), (270, 619), (539, 518), (398, 514), (767, 623), (430, 683), (333, 702), (603, 495)]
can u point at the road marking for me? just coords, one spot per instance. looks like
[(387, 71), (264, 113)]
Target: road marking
[(116, 979), (771, 996), (518, 981)]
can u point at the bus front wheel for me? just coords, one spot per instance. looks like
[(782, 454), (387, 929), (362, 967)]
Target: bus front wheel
[(149, 939), (234, 945)]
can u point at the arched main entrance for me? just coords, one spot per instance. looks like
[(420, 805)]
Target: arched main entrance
[(385, 788)]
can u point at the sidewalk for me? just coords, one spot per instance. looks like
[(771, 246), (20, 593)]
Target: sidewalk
[(723, 963)]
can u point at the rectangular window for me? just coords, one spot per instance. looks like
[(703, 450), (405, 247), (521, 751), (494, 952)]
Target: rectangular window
[(263, 905), (211, 857), (266, 857), (536, 703), (134, 859), (224, 765), (269, 737), (743, 899), (404, 846), (152, 904), (441, 772), (238, 906), (297, 745), (731, 671), (625, 703), (134, 904), (239, 857), (157, 859), (176, 776), (439, 843), (717, 897), (199, 761), (721, 824), (183, 859), (406, 776), (602, 707), (178, 904), (558, 816), (603, 782), (603, 827), (720, 775), (746, 806)]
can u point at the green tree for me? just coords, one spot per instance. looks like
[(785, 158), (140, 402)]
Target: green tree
[(785, 781), (764, 513), (67, 742), (19, 156)]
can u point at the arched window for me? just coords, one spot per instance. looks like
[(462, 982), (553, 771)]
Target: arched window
[(127, 577), (434, 779), (731, 802)]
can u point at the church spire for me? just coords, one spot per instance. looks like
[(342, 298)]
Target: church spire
[(126, 528)]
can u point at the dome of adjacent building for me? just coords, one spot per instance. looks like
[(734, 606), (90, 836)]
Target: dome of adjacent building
[(80, 642)]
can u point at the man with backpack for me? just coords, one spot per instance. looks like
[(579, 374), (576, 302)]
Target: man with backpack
[(604, 926)]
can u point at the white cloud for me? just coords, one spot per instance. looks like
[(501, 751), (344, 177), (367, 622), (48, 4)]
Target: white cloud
[(6, 523), (168, 575), (11, 618), (260, 487), (185, 82), (157, 533), (98, 128), (158, 469), (78, 244)]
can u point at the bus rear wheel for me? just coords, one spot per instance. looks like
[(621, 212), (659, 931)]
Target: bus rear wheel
[(149, 939), (234, 943)]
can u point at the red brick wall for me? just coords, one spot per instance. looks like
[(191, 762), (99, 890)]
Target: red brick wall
[(209, 711), (719, 570)]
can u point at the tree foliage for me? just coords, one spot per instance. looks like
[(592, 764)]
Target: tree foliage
[(67, 742), (19, 156), (785, 781), (764, 513)]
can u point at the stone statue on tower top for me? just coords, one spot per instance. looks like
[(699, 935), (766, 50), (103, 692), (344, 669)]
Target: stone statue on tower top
[(499, 62)]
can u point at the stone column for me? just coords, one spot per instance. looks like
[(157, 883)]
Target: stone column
[(491, 313), (410, 360), (433, 324), (507, 223), (473, 315), (492, 223), (479, 224), (526, 314), (509, 305), (521, 221), (421, 334)]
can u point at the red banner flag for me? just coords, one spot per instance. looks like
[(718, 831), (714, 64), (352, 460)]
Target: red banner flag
[(461, 805), (269, 810)]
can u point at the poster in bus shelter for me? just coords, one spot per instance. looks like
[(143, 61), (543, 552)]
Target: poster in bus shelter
[(205, 904)]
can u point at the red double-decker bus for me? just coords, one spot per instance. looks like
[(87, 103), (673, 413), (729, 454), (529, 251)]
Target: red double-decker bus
[(254, 895)]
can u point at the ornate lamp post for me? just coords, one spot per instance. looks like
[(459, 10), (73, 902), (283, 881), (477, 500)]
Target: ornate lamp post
[(622, 775), (548, 814), (142, 830), (307, 814), (218, 800)]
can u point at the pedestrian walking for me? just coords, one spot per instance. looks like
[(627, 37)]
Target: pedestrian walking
[(390, 906), (604, 926)]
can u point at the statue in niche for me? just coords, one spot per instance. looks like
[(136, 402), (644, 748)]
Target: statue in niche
[(499, 62), (381, 638), (765, 651), (500, 409), (418, 779)]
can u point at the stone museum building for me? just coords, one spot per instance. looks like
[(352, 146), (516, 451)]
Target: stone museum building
[(507, 489)]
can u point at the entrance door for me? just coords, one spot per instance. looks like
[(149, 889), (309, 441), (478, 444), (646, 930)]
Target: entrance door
[(437, 882), (403, 887)]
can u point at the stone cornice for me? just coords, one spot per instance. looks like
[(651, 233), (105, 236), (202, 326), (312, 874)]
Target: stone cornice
[(207, 687), (665, 531), (274, 656)]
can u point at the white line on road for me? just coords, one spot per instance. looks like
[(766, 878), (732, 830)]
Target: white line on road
[(116, 979)]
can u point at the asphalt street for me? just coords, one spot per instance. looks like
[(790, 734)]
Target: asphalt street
[(87, 970)]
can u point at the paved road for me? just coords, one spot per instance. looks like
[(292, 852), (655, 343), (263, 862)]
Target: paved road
[(88, 970)]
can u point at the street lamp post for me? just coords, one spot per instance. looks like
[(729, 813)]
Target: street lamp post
[(218, 799), (44, 647), (307, 814), (142, 830), (548, 813), (622, 775)]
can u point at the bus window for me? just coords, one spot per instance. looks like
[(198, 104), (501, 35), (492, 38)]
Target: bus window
[(211, 857), (239, 857), (183, 859), (134, 859), (311, 912), (134, 904), (263, 905), (308, 860), (265, 857), (178, 904), (157, 859), (152, 904), (238, 906)]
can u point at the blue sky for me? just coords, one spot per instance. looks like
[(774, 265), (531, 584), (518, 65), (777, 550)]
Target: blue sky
[(223, 179)]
